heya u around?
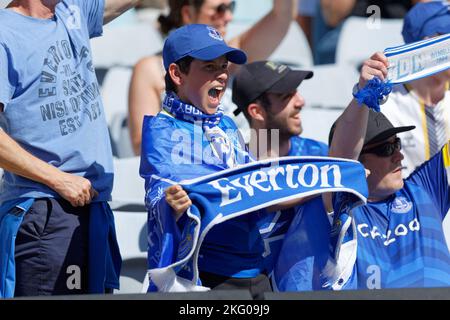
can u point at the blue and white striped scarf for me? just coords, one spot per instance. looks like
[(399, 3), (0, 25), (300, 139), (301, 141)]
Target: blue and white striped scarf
[(222, 146)]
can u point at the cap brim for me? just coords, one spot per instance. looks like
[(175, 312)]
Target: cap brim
[(290, 81), (388, 133), (213, 52)]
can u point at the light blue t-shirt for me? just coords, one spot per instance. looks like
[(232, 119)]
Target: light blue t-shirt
[(51, 98)]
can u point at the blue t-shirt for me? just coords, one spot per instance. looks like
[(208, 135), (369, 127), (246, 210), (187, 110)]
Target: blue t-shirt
[(274, 225), (401, 241), (51, 98), (177, 150)]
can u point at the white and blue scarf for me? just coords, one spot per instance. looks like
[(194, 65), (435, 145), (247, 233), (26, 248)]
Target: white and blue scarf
[(407, 63), (230, 193), (221, 145)]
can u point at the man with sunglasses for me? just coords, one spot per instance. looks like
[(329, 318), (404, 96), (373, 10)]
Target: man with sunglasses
[(400, 238), (396, 240)]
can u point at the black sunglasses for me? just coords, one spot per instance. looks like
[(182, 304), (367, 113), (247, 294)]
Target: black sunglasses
[(386, 149), (222, 8)]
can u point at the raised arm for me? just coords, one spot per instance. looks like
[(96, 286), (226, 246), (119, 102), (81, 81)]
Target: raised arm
[(264, 37), (114, 8), (348, 138), (335, 11), (13, 158)]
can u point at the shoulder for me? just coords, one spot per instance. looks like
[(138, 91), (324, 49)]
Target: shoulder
[(7, 30), (228, 123), (149, 68), (308, 147), (150, 63)]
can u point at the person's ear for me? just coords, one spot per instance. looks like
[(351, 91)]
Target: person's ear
[(256, 112), (175, 74), (188, 14)]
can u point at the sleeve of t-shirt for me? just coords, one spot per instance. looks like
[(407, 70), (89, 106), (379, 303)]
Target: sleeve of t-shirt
[(433, 176), (93, 11), (6, 77)]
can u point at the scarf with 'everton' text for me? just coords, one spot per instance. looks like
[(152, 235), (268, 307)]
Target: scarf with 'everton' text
[(230, 193)]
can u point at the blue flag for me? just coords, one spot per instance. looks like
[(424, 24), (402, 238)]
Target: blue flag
[(230, 193)]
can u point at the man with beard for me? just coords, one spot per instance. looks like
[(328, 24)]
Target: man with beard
[(266, 92)]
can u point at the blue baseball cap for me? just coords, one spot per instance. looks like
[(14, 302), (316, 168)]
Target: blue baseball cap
[(201, 42), (426, 19)]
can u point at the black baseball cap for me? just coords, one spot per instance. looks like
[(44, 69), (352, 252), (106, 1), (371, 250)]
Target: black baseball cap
[(256, 78), (379, 128)]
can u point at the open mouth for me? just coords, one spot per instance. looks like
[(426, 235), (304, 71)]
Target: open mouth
[(215, 93)]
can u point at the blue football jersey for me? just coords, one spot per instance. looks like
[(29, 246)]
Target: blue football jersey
[(401, 241), (273, 226)]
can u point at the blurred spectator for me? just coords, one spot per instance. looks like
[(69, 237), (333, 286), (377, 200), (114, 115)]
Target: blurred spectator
[(328, 24), (147, 83), (424, 102), (307, 11)]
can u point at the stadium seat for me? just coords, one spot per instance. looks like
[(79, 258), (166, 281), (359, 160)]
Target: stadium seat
[(326, 96), (128, 185), (120, 136), (359, 39), (131, 229), (114, 91), (294, 49), (131, 223), (124, 45)]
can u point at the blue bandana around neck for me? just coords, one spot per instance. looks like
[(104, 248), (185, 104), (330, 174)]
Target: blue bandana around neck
[(221, 145), (187, 112)]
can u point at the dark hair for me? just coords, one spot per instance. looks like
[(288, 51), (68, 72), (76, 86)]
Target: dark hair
[(263, 100), (184, 64), (174, 20)]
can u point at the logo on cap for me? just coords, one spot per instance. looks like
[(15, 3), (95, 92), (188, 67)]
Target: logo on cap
[(213, 33), (275, 66)]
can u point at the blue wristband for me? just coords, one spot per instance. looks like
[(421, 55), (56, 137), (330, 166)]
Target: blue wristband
[(373, 94)]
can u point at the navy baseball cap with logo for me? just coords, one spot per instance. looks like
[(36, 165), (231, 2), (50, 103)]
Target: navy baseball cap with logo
[(426, 19), (259, 77), (201, 42)]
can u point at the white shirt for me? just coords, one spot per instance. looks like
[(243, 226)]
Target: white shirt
[(405, 108)]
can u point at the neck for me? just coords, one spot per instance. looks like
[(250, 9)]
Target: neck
[(267, 145), (431, 90), (43, 9)]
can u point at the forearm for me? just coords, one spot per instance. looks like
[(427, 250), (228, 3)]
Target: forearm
[(114, 8), (261, 40), (335, 11), (348, 137), (15, 159)]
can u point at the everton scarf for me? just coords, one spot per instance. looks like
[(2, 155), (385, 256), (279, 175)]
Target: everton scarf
[(219, 141), (407, 63), (230, 193), (419, 59)]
